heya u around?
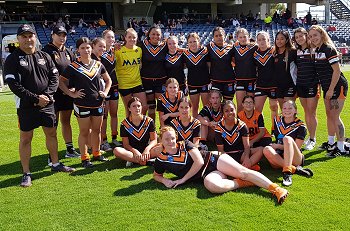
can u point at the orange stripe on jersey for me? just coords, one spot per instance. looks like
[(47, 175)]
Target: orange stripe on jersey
[(195, 59), (242, 50), (168, 104), (285, 130), (137, 133), (109, 55), (229, 136), (179, 158), (91, 72), (185, 133), (154, 50), (263, 59), (220, 52), (173, 58)]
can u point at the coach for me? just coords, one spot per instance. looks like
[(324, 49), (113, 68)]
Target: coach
[(33, 78)]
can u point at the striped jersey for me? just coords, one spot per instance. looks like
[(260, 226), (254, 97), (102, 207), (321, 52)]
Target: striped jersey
[(221, 60), (192, 130), (306, 71), (198, 70), (244, 61), (153, 59)]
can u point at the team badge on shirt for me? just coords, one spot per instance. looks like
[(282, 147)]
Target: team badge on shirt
[(154, 50), (263, 58), (220, 52)]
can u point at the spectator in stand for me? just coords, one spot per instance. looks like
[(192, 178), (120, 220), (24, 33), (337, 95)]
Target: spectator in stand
[(160, 25), (182, 38), (81, 23), (129, 24), (72, 30), (4, 55), (91, 32), (314, 21), (166, 34), (143, 22), (308, 18), (60, 22), (331, 28), (101, 22), (276, 17), (209, 20), (179, 25), (2, 14), (46, 24), (250, 16), (235, 22), (267, 20)]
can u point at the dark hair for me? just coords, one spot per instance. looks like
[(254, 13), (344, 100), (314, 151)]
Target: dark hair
[(151, 28), (248, 97), (81, 41), (132, 100), (300, 30), (185, 99), (286, 35), (228, 102), (220, 29), (97, 40)]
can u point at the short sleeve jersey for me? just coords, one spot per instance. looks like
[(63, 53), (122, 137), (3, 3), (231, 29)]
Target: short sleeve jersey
[(282, 69), (30, 75), (174, 66), (178, 164), (306, 71), (254, 124), (87, 78), (139, 136), (244, 61), (61, 57), (209, 112), (296, 129), (221, 59), (325, 57), (128, 67), (198, 71), (189, 132), (231, 139), (166, 106), (108, 60), (153, 59), (265, 62)]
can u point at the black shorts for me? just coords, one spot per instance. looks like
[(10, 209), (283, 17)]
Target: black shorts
[(210, 165), (245, 85), (113, 93), (227, 89), (271, 93), (83, 112), (134, 90), (153, 86), (263, 142), (282, 92), (307, 91), (31, 118), (184, 89), (196, 90), (236, 156), (62, 101), (340, 91)]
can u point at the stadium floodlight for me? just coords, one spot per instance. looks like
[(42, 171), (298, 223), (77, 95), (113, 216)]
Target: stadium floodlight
[(70, 2), (2, 1), (35, 2)]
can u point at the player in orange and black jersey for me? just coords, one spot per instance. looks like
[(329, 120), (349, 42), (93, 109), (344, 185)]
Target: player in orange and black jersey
[(109, 61), (210, 115), (196, 59), (186, 162), (62, 57), (221, 60), (187, 127), (307, 84), (334, 86), (245, 68), (284, 62), (232, 137), (266, 82), (153, 72), (258, 135), (138, 135), (290, 133), (86, 75), (168, 102), (174, 64)]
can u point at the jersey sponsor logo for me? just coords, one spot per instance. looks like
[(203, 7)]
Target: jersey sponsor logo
[(89, 72), (23, 62), (220, 52), (173, 58), (137, 133), (195, 59), (185, 132), (263, 58), (154, 50), (41, 61), (242, 50), (229, 136), (179, 158), (133, 62), (109, 56)]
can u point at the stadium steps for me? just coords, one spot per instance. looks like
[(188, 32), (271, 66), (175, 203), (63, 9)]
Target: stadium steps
[(340, 8)]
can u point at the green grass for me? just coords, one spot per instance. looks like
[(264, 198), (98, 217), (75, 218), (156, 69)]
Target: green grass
[(111, 197)]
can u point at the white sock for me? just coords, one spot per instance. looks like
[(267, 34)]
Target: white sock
[(340, 145), (331, 140), (55, 165)]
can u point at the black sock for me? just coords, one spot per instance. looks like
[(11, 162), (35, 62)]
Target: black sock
[(114, 137), (69, 146)]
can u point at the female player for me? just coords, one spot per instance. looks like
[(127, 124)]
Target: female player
[(153, 72), (334, 86), (210, 115), (258, 135), (168, 102), (138, 135), (174, 65), (86, 76), (232, 138), (289, 132), (284, 58), (62, 57), (186, 162), (244, 66), (221, 60), (128, 59), (108, 60), (187, 127), (307, 84), (266, 82), (196, 59)]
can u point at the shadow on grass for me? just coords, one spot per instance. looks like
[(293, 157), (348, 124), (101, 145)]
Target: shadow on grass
[(15, 181), (98, 167), (138, 173)]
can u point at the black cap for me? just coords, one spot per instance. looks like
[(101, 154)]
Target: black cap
[(59, 29), (24, 29)]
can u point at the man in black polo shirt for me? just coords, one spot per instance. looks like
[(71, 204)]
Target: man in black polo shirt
[(33, 78)]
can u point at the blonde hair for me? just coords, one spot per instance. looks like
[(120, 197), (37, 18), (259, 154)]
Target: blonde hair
[(324, 36), (130, 30), (241, 30), (173, 37), (266, 35), (193, 35), (106, 32), (171, 80)]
